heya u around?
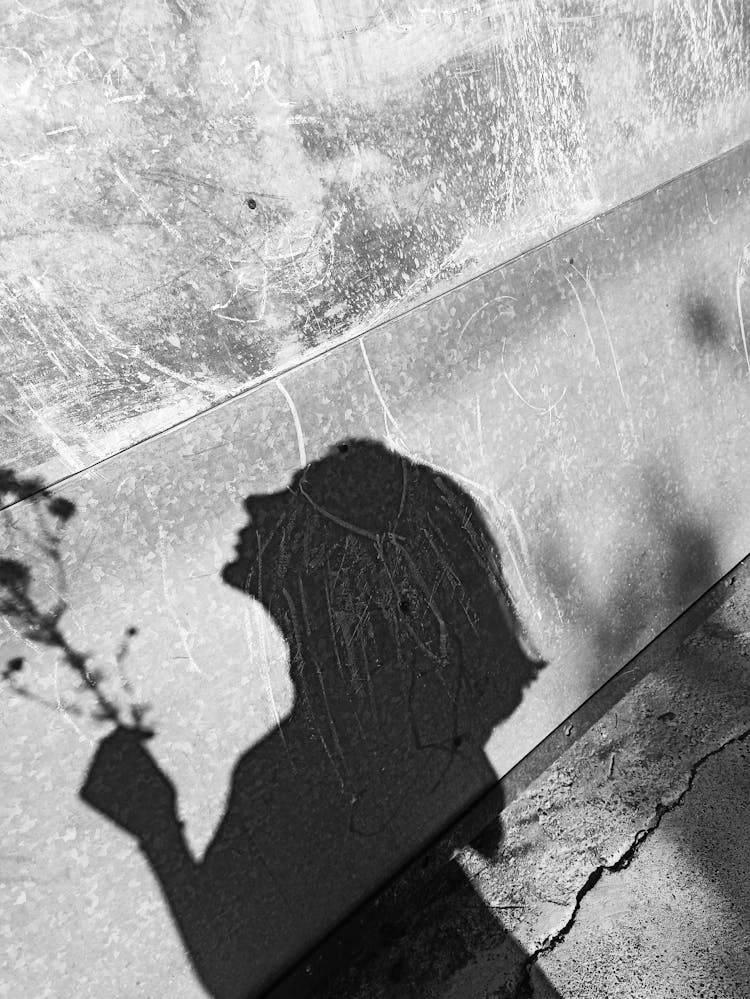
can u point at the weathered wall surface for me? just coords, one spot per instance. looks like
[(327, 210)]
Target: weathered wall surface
[(390, 151), (624, 861), (593, 397)]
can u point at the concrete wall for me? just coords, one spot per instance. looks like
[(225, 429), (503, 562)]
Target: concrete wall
[(390, 150), (586, 406)]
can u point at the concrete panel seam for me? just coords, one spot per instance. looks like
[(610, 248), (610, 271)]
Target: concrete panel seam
[(321, 351)]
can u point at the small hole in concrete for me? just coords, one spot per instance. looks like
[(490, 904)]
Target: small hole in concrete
[(251, 203)]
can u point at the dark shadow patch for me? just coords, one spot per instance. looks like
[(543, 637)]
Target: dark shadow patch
[(386, 584), (40, 621), (703, 324)]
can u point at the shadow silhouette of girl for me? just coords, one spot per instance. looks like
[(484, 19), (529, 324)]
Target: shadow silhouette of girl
[(387, 587)]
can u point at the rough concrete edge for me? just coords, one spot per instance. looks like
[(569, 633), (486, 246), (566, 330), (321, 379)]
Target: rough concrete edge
[(358, 933), (526, 984)]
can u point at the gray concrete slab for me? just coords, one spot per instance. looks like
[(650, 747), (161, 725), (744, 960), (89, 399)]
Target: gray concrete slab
[(570, 429), (675, 922), (194, 193), (622, 870)]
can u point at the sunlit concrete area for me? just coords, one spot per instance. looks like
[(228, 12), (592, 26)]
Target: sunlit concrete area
[(374, 495)]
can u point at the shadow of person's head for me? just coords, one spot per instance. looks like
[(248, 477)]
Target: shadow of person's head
[(387, 586)]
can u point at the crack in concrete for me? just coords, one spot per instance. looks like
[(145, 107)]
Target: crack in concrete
[(526, 988)]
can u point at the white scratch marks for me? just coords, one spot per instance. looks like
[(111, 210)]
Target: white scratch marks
[(18, 634), (61, 131), (55, 312), (127, 99), (185, 636), (539, 409), (297, 424), (61, 708), (480, 432), (321, 683), (387, 414), (711, 219), (481, 308), (42, 15), (225, 305), (606, 330), (264, 285), (171, 373), (67, 453), (585, 320), (262, 78), (501, 512), (146, 205), (22, 161), (24, 87), (740, 280)]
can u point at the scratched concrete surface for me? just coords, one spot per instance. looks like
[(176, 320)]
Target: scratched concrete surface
[(390, 151), (623, 868), (579, 415)]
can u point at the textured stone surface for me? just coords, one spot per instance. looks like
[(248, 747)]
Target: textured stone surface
[(587, 407), (676, 922), (390, 150), (622, 870)]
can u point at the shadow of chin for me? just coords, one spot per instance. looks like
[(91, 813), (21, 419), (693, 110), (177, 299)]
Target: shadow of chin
[(235, 574)]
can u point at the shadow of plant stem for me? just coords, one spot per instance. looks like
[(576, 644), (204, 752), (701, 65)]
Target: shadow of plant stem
[(41, 625)]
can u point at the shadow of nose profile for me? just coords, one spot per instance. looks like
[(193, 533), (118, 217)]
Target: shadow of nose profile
[(404, 656)]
